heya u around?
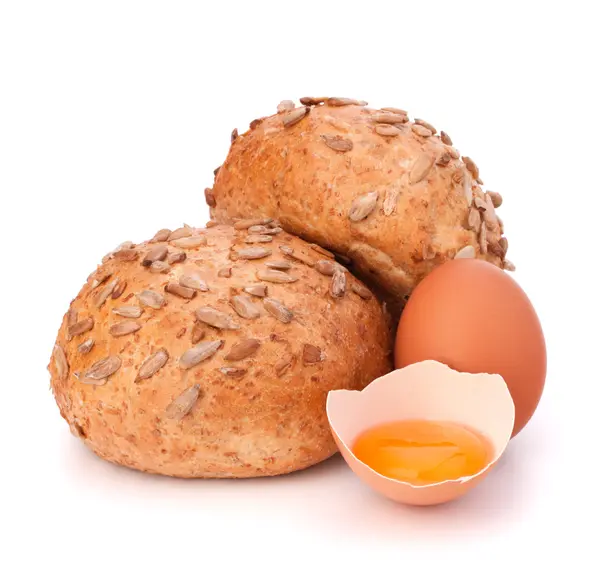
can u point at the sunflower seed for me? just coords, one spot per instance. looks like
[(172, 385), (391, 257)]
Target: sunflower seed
[(337, 288), (275, 276), (390, 200), (421, 130), (204, 350), (233, 371), (453, 152), (294, 116), (495, 248), (278, 310), (508, 265), (421, 168), (255, 123), (216, 319), (251, 253), (179, 233), (283, 364), (467, 252), (85, 347), (194, 282), (183, 404), (362, 291), (126, 255), (225, 272), (298, 256), (124, 328), (489, 214), (244, 307), (338, 143), (467, 188), (216, 171), (445, 138), (153, 364), (60, 362), (471, 167), (157, 253), (181, 291), (258, 239), (159, 267), (259, 290), (496, 198), (190, 242), (198, 332), (444, 159), (390, 118), (427, 253), (72, 316), (279, 265), (128, 311), (320, 250), (394, 110), (103, 295), (480, 203), (249, 223), (335, 101), (234, 135), (176, 257), (474, 219), (363, 206), (503, 244), (99, 278), (103, 369), (337, 124), (119, 290), (209, 196), (152, 299), (285, 105), (387, 130), (312, 101), (483, 238), (161, 236), (425, 124), (242, 350), (312, 354), (81, 327), (212, 223), (258, 229)]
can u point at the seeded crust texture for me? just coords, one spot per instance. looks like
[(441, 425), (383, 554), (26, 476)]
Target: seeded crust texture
[(389, 193), (210, 352)]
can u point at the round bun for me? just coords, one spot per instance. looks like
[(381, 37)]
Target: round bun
[(210, 352), (389, 193)]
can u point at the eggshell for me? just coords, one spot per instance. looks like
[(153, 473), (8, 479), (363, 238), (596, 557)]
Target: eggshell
[(427, 390), (474, 317)]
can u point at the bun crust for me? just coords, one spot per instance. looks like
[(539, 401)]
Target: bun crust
[(387, 192), (170, 361)]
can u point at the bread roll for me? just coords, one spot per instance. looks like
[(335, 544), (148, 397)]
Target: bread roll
[(210, 352), (391, 194)]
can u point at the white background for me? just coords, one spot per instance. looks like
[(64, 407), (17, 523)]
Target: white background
[(113, 116)]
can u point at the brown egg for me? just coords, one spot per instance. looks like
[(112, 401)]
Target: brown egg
[(473, 317)]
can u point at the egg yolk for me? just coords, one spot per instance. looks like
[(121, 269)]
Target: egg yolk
[(422, 452)]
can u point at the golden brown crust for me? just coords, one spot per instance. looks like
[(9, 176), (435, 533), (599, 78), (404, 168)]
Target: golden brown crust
[(178, 396), (391, 194)]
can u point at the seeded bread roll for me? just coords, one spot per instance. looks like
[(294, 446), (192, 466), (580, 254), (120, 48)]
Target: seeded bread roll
[(210, 352), (389, 193)]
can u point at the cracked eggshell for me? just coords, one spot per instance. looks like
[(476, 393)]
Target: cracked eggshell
[(427, 390)]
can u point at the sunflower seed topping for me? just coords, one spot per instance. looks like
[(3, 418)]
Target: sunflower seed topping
[(81, 327), (337, 288), (471, 167), (390, 200), (326, 267), (335, 101), (193, 281), (161, 236), (421, 168), (390, 118), (285, 106), (242, 350), (279, 265), (153, 364), (312, 354), (233, 371), (216, 319), (294, 116), (159, 267), (152, 299), (181, 291), (103, 369), (60, 362), (251, 253), (179, 233), (298, 256), (363, 206), (128, 311), (283, 364), (244, 307), (338, 143), (362, 291), (467, 252), (103, 295), (225, 272), (278, 310), (234, 135), (312, 101), (496, 198), (394, 110), (209, 196), (503, 242), (85, 347), (157, 253), (425, 124), (204, 350), (387, 130), (256, 238), (453, 152), (124, 328), (249, 223), (445, 138), (190, 242), (259, 290), (474, 219), (183, 404), (198, 332), (421, 130), (483, 238), (508, 265), (176, 257), (275, 276), (119, 290), (321, 250), (126, 255)]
